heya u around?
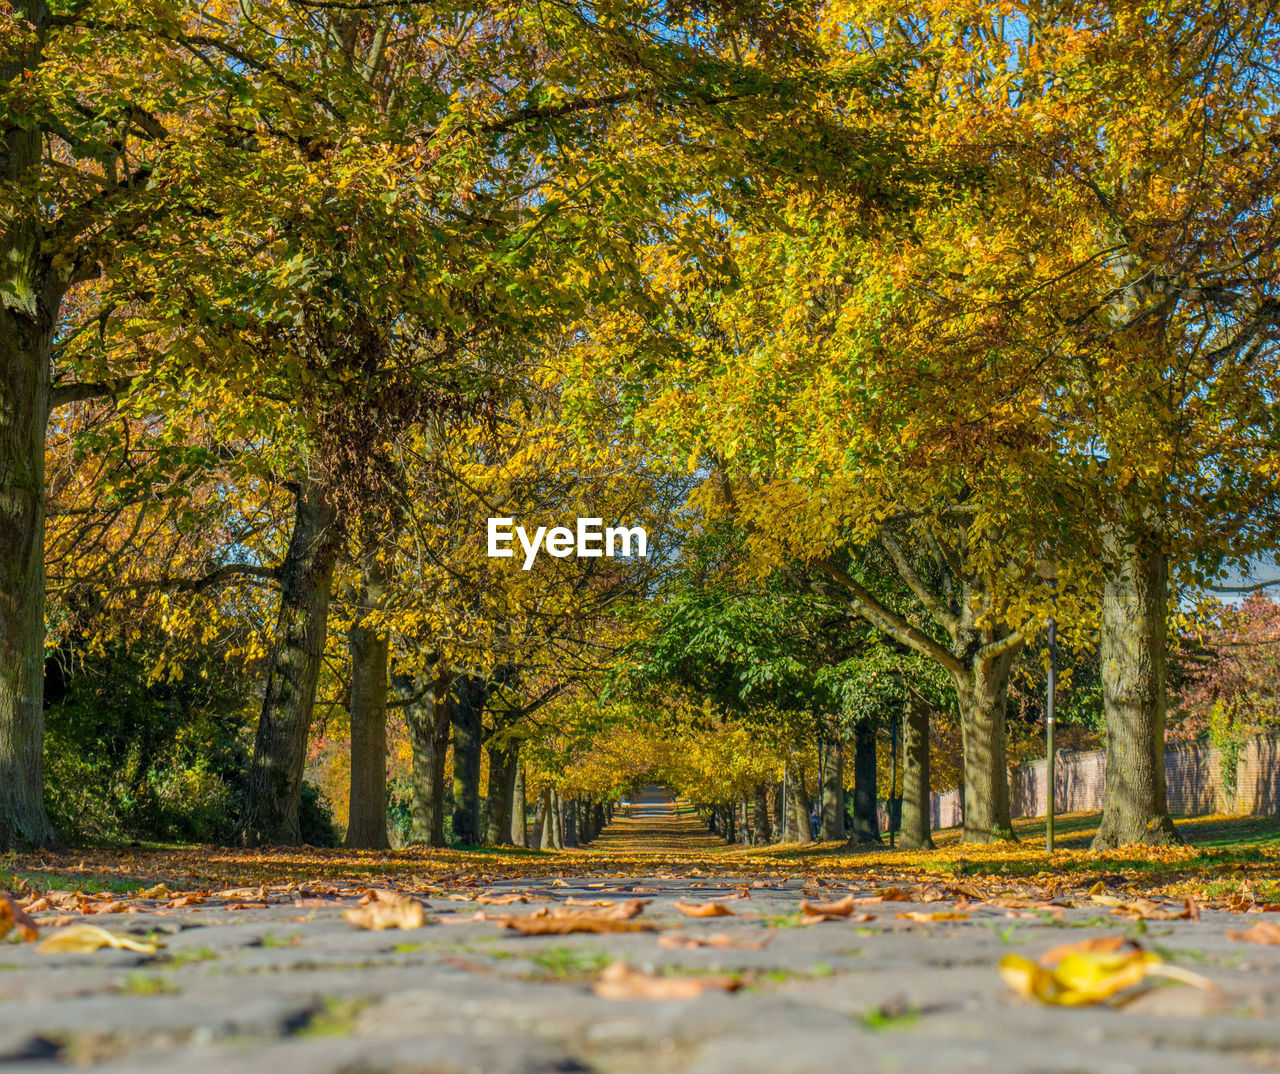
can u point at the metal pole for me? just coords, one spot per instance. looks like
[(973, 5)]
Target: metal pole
[(893, 779), (1048, 733)]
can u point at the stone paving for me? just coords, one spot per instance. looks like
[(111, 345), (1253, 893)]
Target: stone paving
[(295, 987)]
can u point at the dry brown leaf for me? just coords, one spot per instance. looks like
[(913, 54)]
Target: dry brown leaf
[(720, 939), (36, 906), (13, 916), (83, 939), (566, 924), (704, 909), (840, 908), (574, 901), (1011, 902), (157, 892), (818, 919), (937, 915), (184, 900), (388, 910), (113, 907), (620, 981), (502, 900), (1263, 932), (885, 895), (622, 910)]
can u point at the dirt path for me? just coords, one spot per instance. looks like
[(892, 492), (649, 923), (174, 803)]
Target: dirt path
[(652, 824)]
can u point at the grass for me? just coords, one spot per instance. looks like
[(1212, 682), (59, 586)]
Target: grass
[(186, 958), (570, 963), (336, 1017), (146, 984)]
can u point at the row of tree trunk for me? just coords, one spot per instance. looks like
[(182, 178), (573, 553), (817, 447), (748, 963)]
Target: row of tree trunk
[(781, 812)]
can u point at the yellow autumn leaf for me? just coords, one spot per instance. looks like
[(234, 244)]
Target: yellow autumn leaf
[(85, 939), (1089, 972)]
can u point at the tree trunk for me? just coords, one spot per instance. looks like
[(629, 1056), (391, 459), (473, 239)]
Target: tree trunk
[(601, 818), (498, 821), (798, 830), (832, 818), (427, 716), (982, 695), (273, 784), (1132, 656), (549, 815), (730, 831), (762, 836), (468, 710), (519, 808), (30, 298), (569, 811), (915, 832), (541, 820), (866, 820), (777, 811), (24, 406), (370, 649)]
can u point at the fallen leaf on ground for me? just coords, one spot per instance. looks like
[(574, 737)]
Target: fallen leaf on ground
[(936, 915), (13, 916), (886, 895), (115, 906), (1089, 972), (388, 910), (720, 939), (157, 892), (83, 939), (1263, 932), (704, 909), (184, 900), (502, 900), (620, 981), (565, 925), (1010, 902), (841, 908)]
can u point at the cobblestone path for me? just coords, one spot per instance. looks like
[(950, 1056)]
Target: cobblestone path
[(294, 987)]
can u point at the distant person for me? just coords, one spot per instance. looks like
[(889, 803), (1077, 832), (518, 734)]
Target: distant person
[(813, 822)]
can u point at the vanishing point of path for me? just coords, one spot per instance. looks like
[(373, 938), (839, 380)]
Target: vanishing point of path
[(652, 824), (276, 980)]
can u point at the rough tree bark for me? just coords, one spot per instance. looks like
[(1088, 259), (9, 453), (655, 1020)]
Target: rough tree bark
[(468, 711), (1132, 655), (798, 830), (777, 811), (428, 719), (502, 762), (763, 833), (915, 832), (31, 294), (273, 784), (866, 820), (519, 807), (832, 775), (569, 822), (370, 650), (982, 697)]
